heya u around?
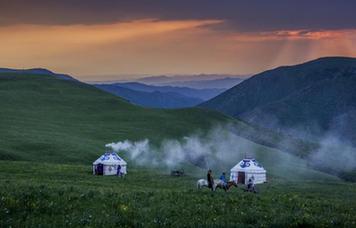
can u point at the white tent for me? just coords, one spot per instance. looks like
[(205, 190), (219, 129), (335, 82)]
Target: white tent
[(247, 168), (108, 164)]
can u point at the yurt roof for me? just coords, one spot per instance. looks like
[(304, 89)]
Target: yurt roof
[(110, 158), (248, 164)]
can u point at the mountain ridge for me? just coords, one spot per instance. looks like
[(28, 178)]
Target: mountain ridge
[(152, 99), (310, 94), (38, 71)]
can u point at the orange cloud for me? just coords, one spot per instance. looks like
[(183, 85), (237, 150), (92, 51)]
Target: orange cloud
[(293, 35), (161, 47), (53, 38)]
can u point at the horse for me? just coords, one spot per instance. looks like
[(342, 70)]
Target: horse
[(227, 186), (202, 183), (217, 184)]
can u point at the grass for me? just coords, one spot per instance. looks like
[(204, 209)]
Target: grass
[(46, 119), (52, 130), (39, 194)]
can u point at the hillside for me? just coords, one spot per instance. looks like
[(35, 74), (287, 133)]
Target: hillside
[(153, 99), (39, 71), (43, 118), (47, 119), (315, 97)]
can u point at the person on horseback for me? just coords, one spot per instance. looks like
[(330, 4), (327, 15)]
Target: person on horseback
[(223, 179), (210, 180)]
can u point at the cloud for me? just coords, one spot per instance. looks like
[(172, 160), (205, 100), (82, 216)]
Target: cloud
[(75, 35), (239, 15), (294, 35), (160, 46)]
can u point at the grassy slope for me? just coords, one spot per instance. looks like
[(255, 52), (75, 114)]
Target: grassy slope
[(46, 119), (36, 194)]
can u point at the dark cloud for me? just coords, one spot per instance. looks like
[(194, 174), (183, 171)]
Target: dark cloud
[(252, 15)]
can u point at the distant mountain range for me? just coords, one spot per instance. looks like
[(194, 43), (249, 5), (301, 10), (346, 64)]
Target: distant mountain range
[(194, 81), (171, 91), (159, 96), (223, 83), (315, 97), (153, 99)]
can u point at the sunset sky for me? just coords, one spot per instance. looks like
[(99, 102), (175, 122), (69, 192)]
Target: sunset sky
[(107, 40)]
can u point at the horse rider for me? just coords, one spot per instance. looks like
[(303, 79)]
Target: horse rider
[(223, 179), (210, 180)]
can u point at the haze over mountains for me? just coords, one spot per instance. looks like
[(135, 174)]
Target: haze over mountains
[(171, 92), (154, 96), (316, 97), (202, 81)]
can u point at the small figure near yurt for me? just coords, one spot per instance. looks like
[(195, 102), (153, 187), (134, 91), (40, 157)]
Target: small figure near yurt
[(251, 185), (110, 164), (248, 169)]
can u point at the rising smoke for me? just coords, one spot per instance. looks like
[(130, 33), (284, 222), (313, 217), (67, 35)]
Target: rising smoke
[(334, 154), (221, 147), (206, 151)]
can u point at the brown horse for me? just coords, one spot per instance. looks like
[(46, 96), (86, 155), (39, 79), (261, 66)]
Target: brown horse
[(227, 186)]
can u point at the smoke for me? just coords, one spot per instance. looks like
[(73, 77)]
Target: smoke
[(329, 147), (334, 154), (140, 151), (221, 148), (218, 146)]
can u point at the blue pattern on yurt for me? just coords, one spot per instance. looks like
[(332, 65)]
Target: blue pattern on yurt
[(115, 156), (245, 163), (107, 155)]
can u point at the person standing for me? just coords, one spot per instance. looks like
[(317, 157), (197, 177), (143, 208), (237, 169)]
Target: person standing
[(210, 180), (251, 184), (119, 171)]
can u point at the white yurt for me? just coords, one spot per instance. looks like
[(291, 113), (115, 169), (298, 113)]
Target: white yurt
[(110, 164), (245, 169)]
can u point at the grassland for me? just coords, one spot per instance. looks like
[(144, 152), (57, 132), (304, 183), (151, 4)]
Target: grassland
[(40, 194), (51, 130), (46, 119)]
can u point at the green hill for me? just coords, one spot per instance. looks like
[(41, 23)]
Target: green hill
[(314, 97), (46, 119)]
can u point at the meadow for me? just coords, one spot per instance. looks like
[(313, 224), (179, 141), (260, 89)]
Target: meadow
[(54, 195), (52, 130)]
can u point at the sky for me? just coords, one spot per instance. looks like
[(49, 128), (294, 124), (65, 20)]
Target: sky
[(110, 39)]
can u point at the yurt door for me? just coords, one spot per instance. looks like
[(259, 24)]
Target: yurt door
[(241, 177), (100, 169)]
